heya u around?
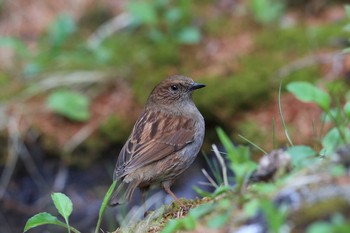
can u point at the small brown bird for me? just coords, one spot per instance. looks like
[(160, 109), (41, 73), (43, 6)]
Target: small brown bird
[(164, 141)]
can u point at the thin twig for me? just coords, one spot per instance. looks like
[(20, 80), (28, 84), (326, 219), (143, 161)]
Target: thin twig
[(252, 143), (222, 163), (205, 183), (79, 137), (281, 114), (60, 179), (205, 173), (109, 28)]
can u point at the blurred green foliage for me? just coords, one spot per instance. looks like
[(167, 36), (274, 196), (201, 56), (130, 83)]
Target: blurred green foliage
[(70, 104), (165, 37), (267, 11)]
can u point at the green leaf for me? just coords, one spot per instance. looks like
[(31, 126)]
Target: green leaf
[(188, 223), (61, 29), (331, 141), (266, 11), (221, 189), (104, 205), (218, 221), (201, 192), (337, 170), (172, 226), (320, 227), (332, 115), (189, 35), (300, 155), (264, 188), (63, 204), (17, 45), (347, 10), (173, 15), (236, 155), (201, 210), (307, 92), (251, 208), (143, 12), (347, 109), (275, 217), (42, 219), (70, 104)]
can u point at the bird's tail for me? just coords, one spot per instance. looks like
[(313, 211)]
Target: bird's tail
[(123, 193)]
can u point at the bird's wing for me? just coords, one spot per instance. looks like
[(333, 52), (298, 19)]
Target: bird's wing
[(155, 136)]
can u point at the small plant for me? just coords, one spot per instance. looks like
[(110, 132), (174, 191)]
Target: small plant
[(166, 22), (267, 11), (339, 116), (65, 207)]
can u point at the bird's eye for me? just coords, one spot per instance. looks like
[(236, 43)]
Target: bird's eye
[(174, 87)]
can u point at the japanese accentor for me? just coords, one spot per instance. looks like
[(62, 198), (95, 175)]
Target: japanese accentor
[(164, 141)]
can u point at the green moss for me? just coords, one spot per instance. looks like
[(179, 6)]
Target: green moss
[(318, 211)]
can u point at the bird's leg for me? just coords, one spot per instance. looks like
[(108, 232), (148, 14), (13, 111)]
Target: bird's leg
[(166, 187)]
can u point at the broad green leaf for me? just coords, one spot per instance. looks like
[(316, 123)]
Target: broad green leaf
[(104, 205), (189, 35), (307, 92), (42, 219), (143, 12), (61, 29), (70, 104), (63, 204), (332, 140), (301, 154)]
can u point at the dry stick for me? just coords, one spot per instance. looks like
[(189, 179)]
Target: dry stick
[(61, 178), (205, 173), (222, 163), (79, 137), (253, 144), (281, 115), (109, 28)]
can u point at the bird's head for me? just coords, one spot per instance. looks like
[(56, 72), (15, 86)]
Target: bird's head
[(175, 90)]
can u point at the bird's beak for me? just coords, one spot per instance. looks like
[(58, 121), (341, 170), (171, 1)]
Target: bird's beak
[(196, 86)]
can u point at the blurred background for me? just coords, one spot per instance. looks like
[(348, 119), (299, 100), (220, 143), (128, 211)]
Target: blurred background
[(74, 76)]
